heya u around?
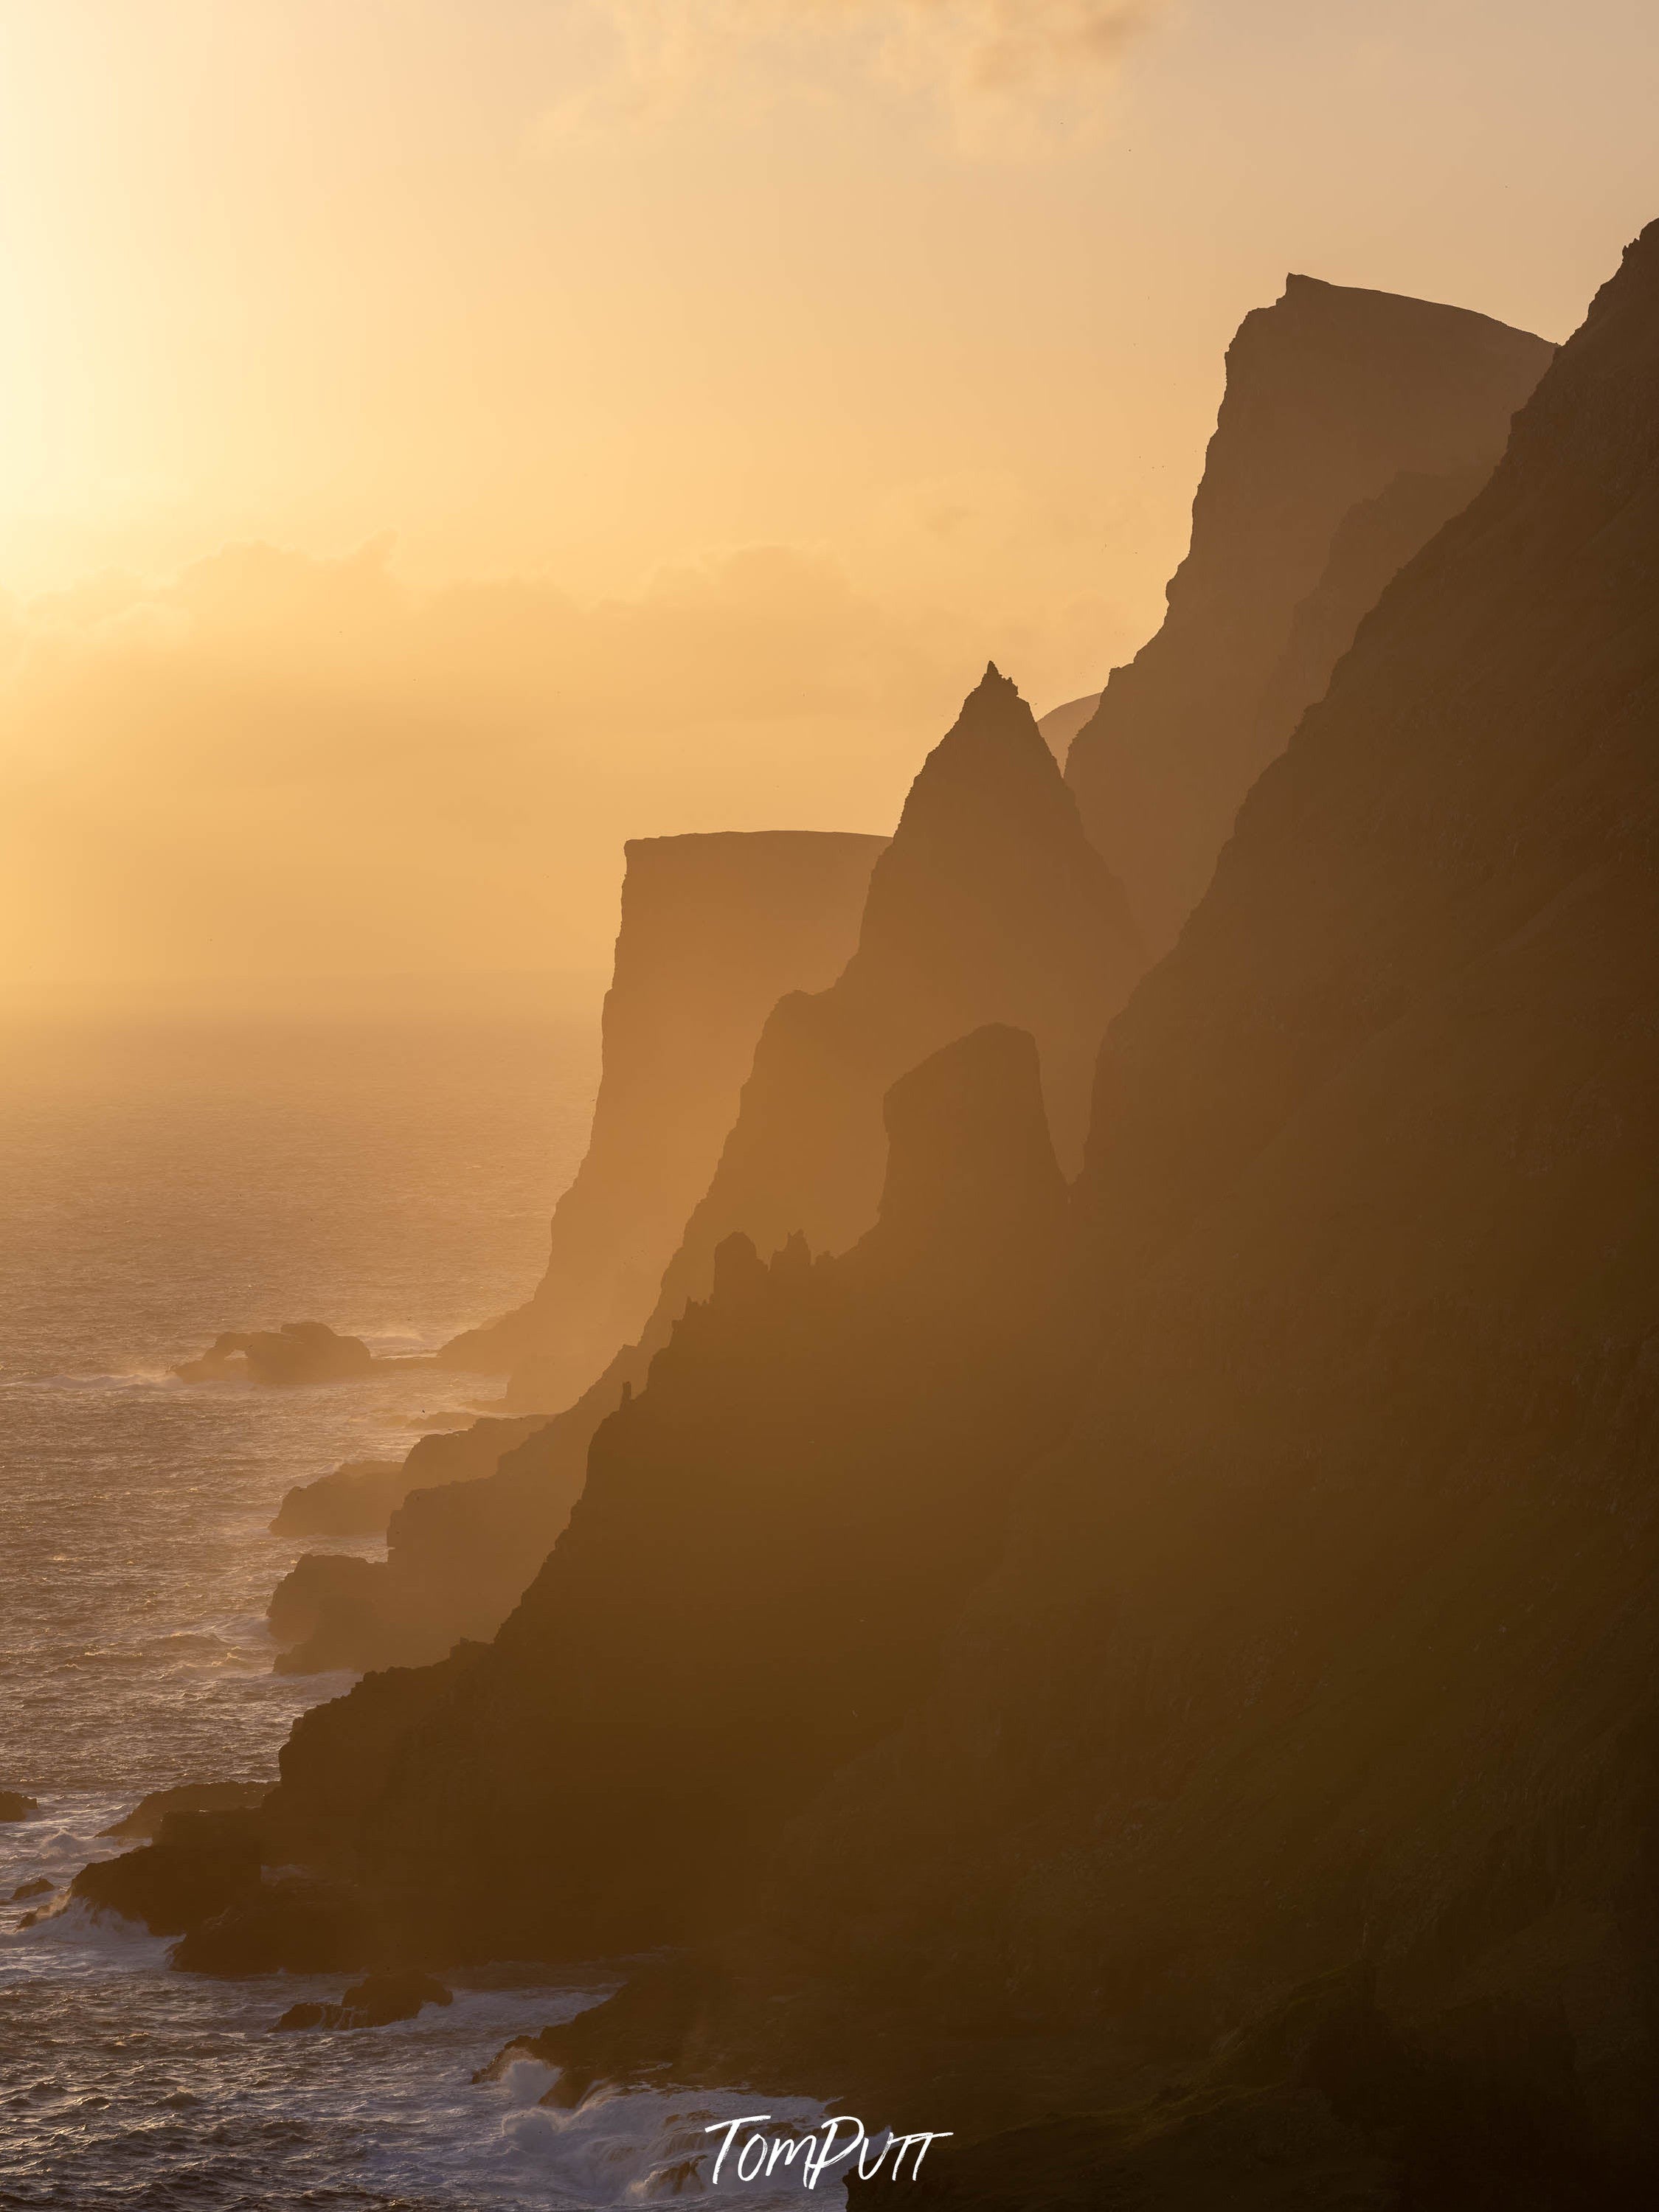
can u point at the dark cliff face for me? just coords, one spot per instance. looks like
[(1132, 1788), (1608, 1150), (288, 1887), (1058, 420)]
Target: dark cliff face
[(752, 1585), (714, 930), (1331, 394), (1265, 1770), (1318, 1689)]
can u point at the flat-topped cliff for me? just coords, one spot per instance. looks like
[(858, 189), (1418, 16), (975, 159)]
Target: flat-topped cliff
[(989, 906), (715, 928), (1331, 394)]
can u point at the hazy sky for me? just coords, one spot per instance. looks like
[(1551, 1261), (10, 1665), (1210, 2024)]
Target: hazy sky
[(439, 438)]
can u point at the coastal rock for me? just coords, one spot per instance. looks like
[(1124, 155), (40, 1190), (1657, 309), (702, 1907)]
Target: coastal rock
[(989, 906), (1292, 1784), (376, 2001), (716, 928), (1061, 724), (360, 1499), (200, 1864), (862, 1418), (148, 1816), (1333, 394), (288, 1922), (38, 1887), (298, 1351), (357, 1499), (15, 1805), (1271, 1818), (454, 1559)]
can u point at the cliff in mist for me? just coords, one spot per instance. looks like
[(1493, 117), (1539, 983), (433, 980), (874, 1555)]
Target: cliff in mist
[(714, 930), (1162, 1681), (1332, 395), (1300, 1762), (1278, 1803), (709, 1640), (989, 906)]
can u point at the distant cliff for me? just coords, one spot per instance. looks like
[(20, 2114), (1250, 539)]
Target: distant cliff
[(989, 906), (714, 930), (1332, 395)]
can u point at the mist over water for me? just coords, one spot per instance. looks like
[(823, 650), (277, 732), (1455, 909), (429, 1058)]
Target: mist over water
[(158, 1185)]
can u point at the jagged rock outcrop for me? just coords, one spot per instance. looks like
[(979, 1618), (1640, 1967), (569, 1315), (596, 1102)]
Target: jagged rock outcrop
[(753, 1583), (989, 905), (360, 1499), (1333, 394), (1287, 1812), (479, 1502), (716, 928), (17, 1805), (357, 1499), (377, 2001), (144, 1821)]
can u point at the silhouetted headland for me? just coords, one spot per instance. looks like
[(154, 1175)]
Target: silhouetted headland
[(1332, 395), (1167, 1671)]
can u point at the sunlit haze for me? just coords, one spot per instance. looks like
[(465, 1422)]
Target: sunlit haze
[(441, 439)]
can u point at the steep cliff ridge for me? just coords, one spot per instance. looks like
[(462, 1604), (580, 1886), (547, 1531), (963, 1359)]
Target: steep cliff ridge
[(990, 905), (1331, 394), (754, 1581), (1301, 1766), (715, 929)]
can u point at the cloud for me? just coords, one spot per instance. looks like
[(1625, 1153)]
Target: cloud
[(1008, 58), (275, 765)]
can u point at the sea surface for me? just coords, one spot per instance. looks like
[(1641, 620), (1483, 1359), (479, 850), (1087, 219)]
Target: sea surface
[(160, 1183)]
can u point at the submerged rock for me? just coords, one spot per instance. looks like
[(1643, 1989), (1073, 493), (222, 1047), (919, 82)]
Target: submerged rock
[(16, 1806), (145, 1822), (377, 2001)]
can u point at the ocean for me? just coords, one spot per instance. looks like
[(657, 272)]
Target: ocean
[(159, 1183)]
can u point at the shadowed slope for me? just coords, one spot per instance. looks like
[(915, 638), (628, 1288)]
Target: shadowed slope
[(1331, 394), (989, 905), (1316, 1706), (752, 1584)]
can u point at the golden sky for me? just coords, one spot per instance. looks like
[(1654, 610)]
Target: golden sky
[(442, 438)]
